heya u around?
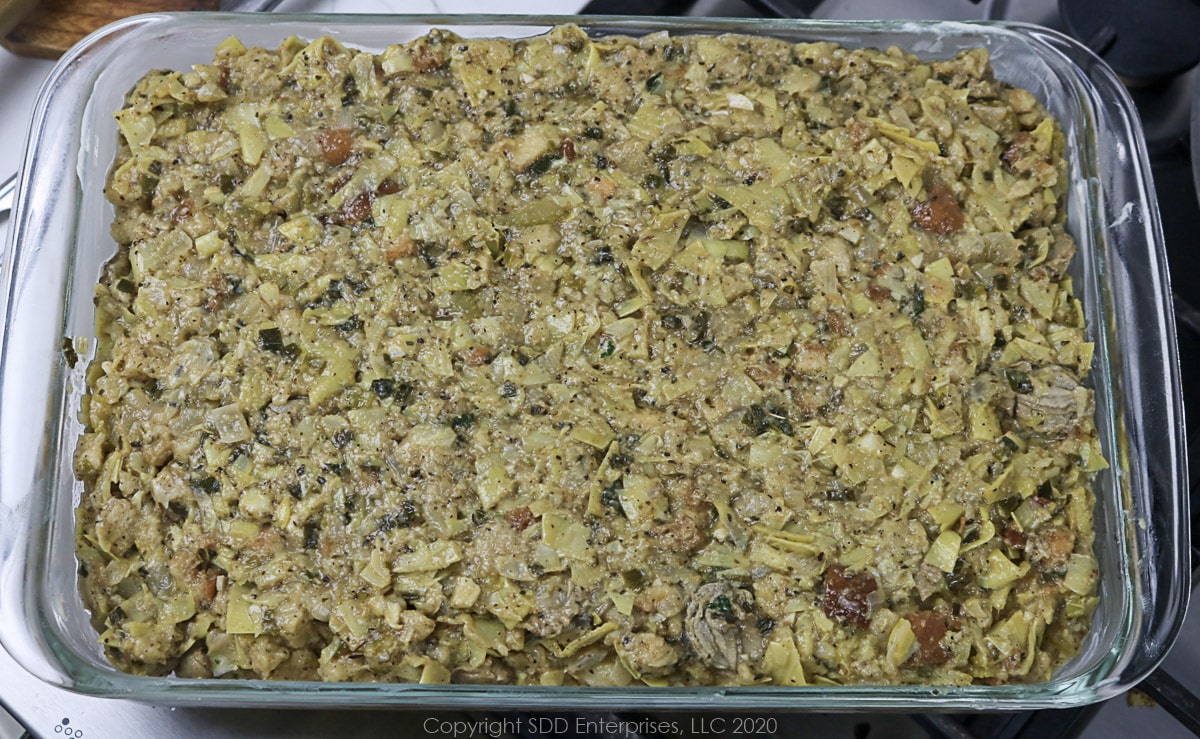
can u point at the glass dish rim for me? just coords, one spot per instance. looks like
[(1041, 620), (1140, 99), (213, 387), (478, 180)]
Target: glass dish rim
[(1055, 692)]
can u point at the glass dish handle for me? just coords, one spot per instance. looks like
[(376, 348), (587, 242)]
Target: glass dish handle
[(8, 194), (1158, 513)]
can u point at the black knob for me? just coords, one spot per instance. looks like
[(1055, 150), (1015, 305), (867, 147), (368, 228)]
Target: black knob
[(1142, 40)]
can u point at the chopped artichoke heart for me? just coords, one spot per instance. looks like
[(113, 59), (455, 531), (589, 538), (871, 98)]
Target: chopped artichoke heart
[(492, 483), (939, 282), (656, 247), (593, 433), (902, 136), (567, 536), (985, 426), (253, 141), (541, 211), (642, 506), (985, 533), (902, 642), (302, 230), (677, 360), (946, 514), (209, 244), (789, 541), (588, 639), (434, 673), (276, 128), (621, 597), (943, 554), (376, 572), (866, 365), (238, 618), (1081, 574), (1001, 571), (906, 168), (781, 660), (1092, 458), (137, 128), (653, 120), (435, 555)]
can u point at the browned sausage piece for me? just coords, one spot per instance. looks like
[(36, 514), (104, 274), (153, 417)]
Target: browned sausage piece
[(848, 595)]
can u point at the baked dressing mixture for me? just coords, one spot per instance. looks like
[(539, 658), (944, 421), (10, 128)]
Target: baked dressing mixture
[(678, 360)]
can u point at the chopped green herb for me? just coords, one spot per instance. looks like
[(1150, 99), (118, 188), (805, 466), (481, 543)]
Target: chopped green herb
[(917, 307), (404, 517), (207, 484), (312, 533), (271, 340), (607, 347), (722, 607), (603, 255), (1019, 381), (762, 419), (756, 418), (610, 497), (342, 438), (541, 165), (383, 387)]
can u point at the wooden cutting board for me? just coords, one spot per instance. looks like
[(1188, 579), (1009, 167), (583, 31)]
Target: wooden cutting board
[(56, 25)]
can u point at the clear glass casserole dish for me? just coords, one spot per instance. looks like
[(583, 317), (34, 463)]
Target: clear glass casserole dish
[(59, 240)]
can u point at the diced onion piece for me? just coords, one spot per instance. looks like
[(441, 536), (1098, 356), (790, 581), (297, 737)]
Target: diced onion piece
[(230, 424), (277, 128)]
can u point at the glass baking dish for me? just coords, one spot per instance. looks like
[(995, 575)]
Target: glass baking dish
[(59, 240)]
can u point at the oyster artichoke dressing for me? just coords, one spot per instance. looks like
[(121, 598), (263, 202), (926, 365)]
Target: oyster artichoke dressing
[(675, 361)]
